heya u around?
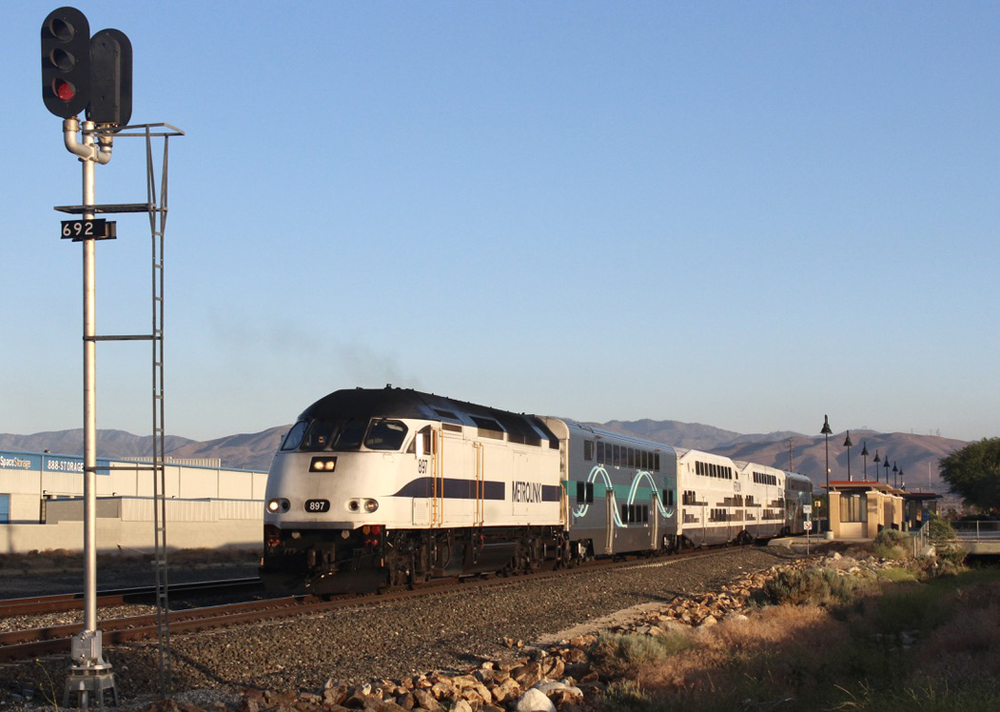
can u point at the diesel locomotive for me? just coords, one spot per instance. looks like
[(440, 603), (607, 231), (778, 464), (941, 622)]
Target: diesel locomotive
[(385, 487)]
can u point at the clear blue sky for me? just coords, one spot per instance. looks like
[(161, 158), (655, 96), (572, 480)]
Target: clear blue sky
[(747, 215)]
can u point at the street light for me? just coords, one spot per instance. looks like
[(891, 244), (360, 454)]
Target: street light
[(848, 444), (876, 461), (885, 464), (826, 432), (894, 473), (864, 454)]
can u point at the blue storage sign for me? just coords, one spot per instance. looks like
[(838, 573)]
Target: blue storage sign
[(20, 461), (33, 462), (64, 463)]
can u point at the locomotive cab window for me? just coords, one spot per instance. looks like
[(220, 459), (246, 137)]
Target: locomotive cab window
[(421, 443), (294, 437), (385, 435), (319, 435)]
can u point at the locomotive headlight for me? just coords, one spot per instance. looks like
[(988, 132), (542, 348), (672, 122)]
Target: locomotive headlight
[(371, 505), (354, 505), (323, 464), (277, 505)]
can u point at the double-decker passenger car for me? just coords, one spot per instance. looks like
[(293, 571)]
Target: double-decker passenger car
[(382, 487)]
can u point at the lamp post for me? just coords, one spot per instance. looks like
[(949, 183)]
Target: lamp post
[(826, 432), (902, 484), (885, 464), (876, 461), (848, 444), (864, 454), (895, 471)]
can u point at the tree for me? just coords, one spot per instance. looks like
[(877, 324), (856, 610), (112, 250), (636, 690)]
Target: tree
[(974, 473)]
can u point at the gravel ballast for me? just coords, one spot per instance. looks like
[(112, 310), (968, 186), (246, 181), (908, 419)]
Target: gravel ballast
[(452, 630)]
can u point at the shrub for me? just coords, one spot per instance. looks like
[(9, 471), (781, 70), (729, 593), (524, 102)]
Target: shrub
[(891, 544), (626, 696), (820, 586), (942, 535), (616, 656)]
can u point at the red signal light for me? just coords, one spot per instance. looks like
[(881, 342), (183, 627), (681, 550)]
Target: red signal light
[(65, 91)]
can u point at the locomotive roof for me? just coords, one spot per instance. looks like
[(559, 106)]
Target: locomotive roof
[(392, 402)]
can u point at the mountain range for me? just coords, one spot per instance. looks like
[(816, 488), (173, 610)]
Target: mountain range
[(916, 455)]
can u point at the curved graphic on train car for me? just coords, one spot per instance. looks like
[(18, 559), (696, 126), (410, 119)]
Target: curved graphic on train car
[(640, 477)]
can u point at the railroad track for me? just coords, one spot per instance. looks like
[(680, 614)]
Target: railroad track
[(38, 642), (117, 597)]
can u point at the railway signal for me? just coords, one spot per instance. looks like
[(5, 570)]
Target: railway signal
[(66, 62), (80, 72), (110, 78)]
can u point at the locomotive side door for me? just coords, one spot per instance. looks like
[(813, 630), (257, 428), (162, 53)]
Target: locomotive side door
[(426, 509)]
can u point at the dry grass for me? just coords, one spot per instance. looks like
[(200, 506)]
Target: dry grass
[(921, 646), (775, 649), (967, 645)]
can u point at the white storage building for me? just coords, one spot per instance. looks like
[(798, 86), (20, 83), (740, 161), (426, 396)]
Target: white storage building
[(41, 504)]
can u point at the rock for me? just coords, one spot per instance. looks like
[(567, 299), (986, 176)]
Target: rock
[(535, 700), (527, 675), (553, 667), (461, 706), (550, 688), (506, 690), (374, 704), (426, 700), (443, 690)]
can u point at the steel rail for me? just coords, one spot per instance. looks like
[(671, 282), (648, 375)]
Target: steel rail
[(59, 602), (32, 643)]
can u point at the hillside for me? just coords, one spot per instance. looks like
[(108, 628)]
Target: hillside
[(250, 451), (917, 455)]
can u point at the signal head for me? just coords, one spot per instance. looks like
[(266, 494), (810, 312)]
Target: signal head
[(66, 62)]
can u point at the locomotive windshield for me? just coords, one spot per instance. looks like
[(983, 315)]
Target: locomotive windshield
[(385, 435), (346, 434)]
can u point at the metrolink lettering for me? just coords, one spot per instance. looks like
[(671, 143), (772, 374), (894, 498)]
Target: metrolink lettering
[(527, 492), (14, 462)]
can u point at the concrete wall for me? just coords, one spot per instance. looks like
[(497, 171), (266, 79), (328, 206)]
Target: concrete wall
[(885, 509)]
